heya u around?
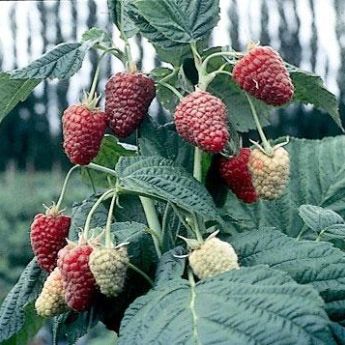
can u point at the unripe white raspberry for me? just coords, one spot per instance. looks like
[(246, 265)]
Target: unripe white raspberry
[(51, 301), (213, 257), (270, 175), (109, 267)]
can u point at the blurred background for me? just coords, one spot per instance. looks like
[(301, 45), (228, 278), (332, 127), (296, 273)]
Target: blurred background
[(308, 33)]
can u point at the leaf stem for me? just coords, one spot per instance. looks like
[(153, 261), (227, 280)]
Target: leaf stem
[(171, 88), (143, 274), (153, 221), (101, 168), (64, 187), (266, 144), (108, 242), (103, 197)]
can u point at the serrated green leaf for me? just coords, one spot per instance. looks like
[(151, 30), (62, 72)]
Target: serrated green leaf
[(108, 155), (28, 287), (247, 306), (317, 177), (61, 62), (14, 91), (308, 262), (180, 21), (97, 35), (310, 89), (161, 178), (119, 12)]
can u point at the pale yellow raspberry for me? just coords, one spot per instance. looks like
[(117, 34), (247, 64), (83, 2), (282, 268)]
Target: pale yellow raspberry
[(51, 301), (213, 257), (109, 267), (270, 175)]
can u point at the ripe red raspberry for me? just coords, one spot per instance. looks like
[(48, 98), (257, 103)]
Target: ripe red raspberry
[(201, 119), (127, 99), (262, 73), (237, 176), (83, 130), (78, 281), (48, 235)]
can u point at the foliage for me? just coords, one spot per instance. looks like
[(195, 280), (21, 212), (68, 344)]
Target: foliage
[(289, 288)]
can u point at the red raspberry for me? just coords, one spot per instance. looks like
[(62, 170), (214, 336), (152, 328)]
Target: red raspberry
[(262, 73), (83, 130), (78, 281), (237, 176), (201, 119), (48, 235), (127, 99)]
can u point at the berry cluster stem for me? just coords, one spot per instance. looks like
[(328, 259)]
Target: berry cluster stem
[(64, 187), (266, 145), (197, 170), (108, 241), (143, 274), (152, 220)]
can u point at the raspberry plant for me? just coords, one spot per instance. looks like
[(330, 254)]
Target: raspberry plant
[(163, 252)]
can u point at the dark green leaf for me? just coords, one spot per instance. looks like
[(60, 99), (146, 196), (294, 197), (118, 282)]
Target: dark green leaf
[(97, 35), (308, 262), (27, 289), (161, 178), (13, 91), (247, 306)]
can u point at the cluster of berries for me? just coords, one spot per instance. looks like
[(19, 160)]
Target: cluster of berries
[(127, 99), (77, 271)]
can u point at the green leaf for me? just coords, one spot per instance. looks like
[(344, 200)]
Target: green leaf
[(161, 141), (119, 12), (308, 262), (317, 177), (247, 306), (27, 289), (13, 91), (108, 155), (180, 21), (97, 35), (310, 89), (162, 179), (61, 62)]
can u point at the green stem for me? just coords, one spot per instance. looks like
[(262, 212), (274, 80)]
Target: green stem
[(170, 75), (152, 220), (101, 169), (94, 83), (197, 171), (103, 197), (196, 228), (64, 187), (108, 242), (143, 274), (266, 144), (171, 88), (208, 58), (91, 181), (113, 51)]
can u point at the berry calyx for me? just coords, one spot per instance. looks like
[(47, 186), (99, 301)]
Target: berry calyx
[(51, 301), (78, 280), (236, 174), (83, 130), (127, 99), (48, 235), (262, 73), (201, 119), (213, 257), (109, 267)]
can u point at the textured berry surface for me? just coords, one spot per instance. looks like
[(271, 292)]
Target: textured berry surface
[(201, 119), (109, 266), (127, 99), (237, 176), (51, 301), (48, 235), (270, 175), (262, 73), (78, 280), (212, 258), (83, 131)]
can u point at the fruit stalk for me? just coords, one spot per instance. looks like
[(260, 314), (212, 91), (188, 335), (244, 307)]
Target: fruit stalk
[(64, 187), (108, 242)]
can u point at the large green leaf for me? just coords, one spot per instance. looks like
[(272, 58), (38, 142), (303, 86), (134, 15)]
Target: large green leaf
[(317, 178), (247, 306), (308, 262), (28, 287), (13, 91), (161, 178), (61, 62), (181, 21)]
